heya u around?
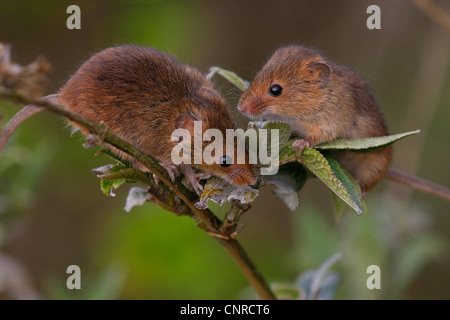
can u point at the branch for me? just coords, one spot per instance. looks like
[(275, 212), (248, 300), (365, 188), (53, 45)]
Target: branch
[(435, 12), (160, 193), (205, 217), (230, 223)]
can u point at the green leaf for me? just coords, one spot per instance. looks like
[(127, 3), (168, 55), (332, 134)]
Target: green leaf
[(117, 183), (286, 291), (115, 157), (286, 189), (353, 188), (339, 206), (327, 290), (288, 154), (264, 138), (113, 176), (288, 181), (136, 197), (107, 187), (107, 285), (128, 174), (232, 77), (364, 143), (284, 131), (320, 284), (414, 255), (314, 161)]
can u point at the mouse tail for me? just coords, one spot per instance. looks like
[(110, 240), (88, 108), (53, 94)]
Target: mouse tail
[(418, 183), (21, 116)]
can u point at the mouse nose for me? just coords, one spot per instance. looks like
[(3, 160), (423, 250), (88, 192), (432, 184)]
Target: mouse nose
[(244, 108), (252, 108)]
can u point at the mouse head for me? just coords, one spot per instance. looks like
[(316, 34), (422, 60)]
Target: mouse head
[(209, 111), (293, 81)]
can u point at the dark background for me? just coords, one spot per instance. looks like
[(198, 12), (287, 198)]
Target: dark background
[(53, 214)]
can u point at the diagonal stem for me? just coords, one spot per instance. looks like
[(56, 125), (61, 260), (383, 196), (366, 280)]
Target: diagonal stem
[(435, 12), (210, 222)]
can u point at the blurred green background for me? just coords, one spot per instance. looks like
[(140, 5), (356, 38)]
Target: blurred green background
[(53, 214)]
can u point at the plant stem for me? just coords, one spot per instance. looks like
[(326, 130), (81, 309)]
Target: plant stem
[(248, 268), (209, 221), (435, 12)]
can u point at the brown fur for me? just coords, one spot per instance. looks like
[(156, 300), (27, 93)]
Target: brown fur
[(143, 95), (322, 101)]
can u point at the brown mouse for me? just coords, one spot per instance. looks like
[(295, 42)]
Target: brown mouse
[(322, 101), (143, 95)]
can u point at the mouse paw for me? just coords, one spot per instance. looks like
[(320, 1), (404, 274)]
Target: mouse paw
[(193, 179), (156, 179), (363, 190), (300, 144), (172, 171)]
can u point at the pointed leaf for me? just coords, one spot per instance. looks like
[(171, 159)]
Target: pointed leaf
[(364, 143), (230, 76), (128, 174), (108, 169), (353, 188), (118, 182), (136, 197), (414, 255), (103, 170), (284, 131), (339, 207), (288, 181), (107, 285), (286, 190), (286, 291), (113, 176), (327, 290), (320, 283), (314, 161), (107, 187), (115, 157)]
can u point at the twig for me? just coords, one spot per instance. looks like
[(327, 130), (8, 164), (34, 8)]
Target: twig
[(160, 193), (417, 183), (433, 63), (229, 224), (206, 217), (435, 12)]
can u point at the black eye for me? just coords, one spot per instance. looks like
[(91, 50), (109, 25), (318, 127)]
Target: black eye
[(225, 161), (275, 90)]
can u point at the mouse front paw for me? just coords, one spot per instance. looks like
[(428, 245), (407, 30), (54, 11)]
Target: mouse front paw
[(193, 179), (172, 171), (300, 144)]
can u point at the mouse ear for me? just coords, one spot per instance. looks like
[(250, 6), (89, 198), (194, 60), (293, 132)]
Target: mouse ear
[(186, 121), (320, 73)]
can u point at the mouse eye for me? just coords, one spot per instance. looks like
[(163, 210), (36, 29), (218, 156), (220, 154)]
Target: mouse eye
[(275, 90), (225, 161)]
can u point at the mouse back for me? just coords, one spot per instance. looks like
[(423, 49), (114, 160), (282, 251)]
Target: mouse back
[(143, 95)]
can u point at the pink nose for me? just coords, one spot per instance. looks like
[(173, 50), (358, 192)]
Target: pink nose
[(243, 108), (253, 107)]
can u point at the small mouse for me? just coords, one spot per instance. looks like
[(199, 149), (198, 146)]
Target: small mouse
[(143, 95), (321, 101)]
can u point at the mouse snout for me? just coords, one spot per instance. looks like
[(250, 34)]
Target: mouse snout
[(243, 107), (253, 107)]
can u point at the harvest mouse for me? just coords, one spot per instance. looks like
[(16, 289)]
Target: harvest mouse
[(321, 101), (143, 95)]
